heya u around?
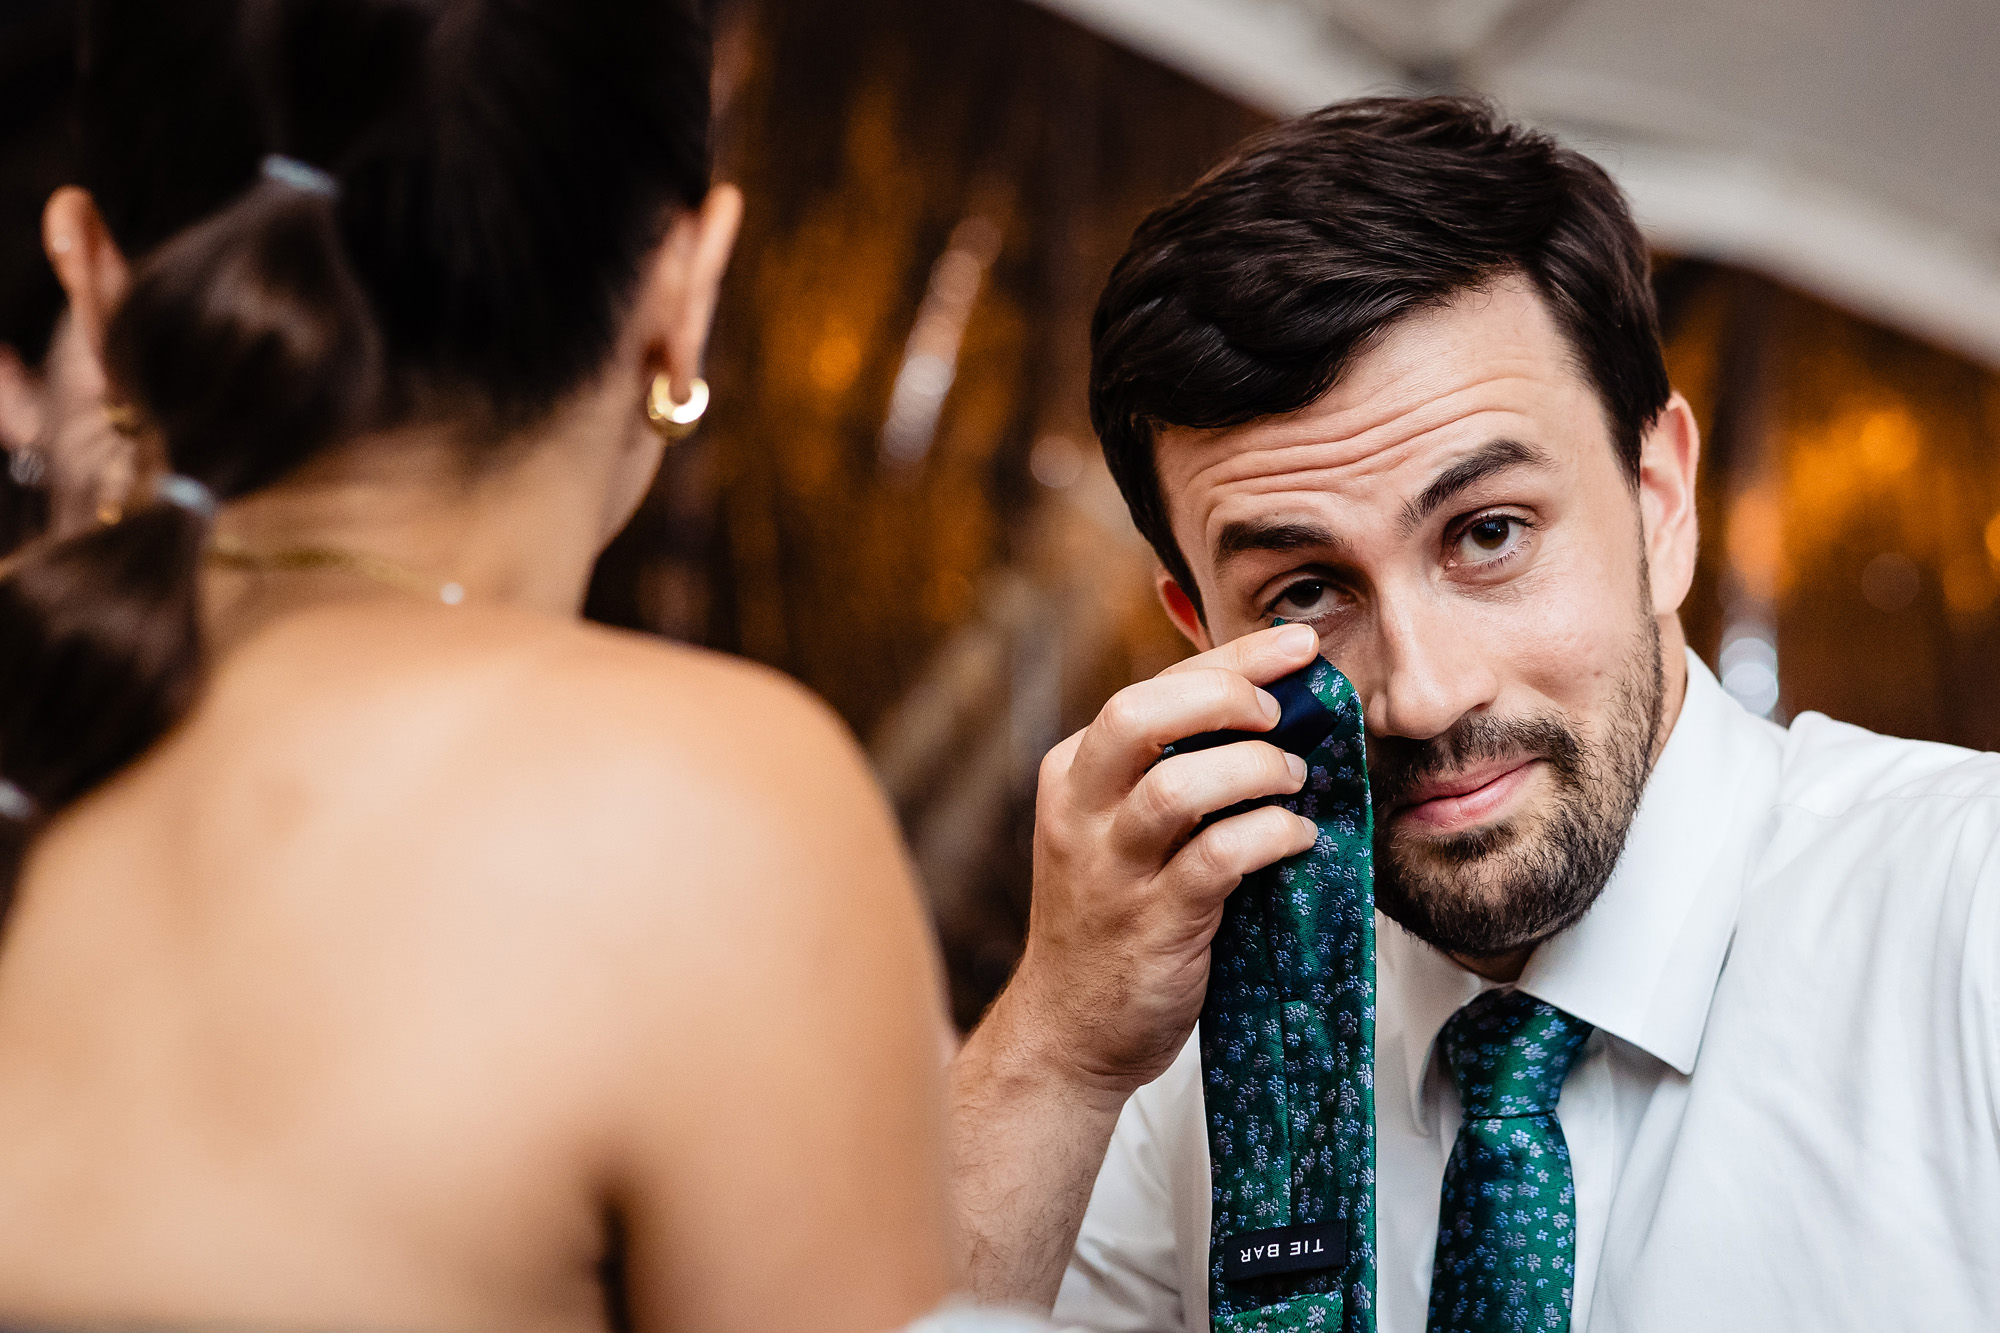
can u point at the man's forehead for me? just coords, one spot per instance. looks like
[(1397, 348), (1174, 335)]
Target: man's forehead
[(1491, 363)]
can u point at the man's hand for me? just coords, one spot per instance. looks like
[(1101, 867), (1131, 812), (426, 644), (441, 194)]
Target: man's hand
[(1126, 895), (1126, 899)]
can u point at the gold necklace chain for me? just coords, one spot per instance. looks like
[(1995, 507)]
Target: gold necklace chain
[(226, 554)]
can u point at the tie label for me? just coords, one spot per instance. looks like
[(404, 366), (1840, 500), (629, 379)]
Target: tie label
[(1299, 1249)]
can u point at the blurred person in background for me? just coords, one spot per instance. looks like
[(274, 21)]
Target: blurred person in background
[(36, 63), (58, 444), (66, 461), (384, 947), (1685, 1020)]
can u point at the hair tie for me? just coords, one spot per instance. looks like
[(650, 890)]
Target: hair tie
[(296, 175), (184, 492), (16, 805)]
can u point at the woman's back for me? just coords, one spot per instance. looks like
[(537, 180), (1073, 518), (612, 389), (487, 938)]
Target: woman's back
[(431, 937), (385, 946)]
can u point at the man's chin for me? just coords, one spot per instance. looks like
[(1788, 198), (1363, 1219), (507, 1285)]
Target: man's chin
[(1466, 927), (1476, 893)]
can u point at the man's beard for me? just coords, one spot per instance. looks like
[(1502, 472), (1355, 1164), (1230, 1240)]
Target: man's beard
[(1516, 883)]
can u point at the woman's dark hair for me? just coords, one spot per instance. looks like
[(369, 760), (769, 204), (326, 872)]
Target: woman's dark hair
[(500, 170), (1250, 294)]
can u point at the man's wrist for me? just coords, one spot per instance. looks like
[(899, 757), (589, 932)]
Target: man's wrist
[(1025, 1048), (1029, 1130)]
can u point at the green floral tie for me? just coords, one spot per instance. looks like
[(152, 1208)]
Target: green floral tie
[(1288, 1049), (1506, 1250)]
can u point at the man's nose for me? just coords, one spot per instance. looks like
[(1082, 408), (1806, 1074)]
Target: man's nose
[(1424, 671)]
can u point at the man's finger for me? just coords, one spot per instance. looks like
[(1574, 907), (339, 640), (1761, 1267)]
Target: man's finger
[(1261, 657), (1179, 792), (1140, 721), (1215, 861)]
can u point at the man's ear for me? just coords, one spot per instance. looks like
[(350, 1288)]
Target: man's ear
[(1668, 456), (1180, 609)]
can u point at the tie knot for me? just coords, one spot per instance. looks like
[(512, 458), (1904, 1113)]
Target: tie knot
[(1509, 1054)]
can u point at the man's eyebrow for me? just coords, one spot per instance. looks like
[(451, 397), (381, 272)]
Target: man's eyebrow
[(1246, 535), (1483, 462)]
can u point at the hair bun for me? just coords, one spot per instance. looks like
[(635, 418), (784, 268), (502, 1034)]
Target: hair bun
[(247, 341)]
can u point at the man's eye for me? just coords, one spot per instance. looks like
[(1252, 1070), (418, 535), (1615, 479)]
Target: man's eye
[(1305, 599), (1489, 539)]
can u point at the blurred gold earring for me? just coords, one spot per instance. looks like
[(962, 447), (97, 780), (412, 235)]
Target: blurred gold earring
[(124, 418), (675, 421)]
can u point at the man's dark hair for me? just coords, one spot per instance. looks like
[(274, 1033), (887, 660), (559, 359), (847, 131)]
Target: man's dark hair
[(1250, 294)]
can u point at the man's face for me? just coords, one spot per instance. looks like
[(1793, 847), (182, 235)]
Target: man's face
[(1454, 522)]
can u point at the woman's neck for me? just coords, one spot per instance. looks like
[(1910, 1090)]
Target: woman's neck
[(519, 523)]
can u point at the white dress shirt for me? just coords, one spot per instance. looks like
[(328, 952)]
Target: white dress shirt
[(1789, 1114)]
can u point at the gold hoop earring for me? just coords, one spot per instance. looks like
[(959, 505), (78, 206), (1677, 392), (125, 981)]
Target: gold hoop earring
[(675, 421), (124, 418)]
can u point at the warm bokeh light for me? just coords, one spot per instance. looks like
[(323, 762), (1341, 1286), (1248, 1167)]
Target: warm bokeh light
[(1859, 473), (1757, 540)]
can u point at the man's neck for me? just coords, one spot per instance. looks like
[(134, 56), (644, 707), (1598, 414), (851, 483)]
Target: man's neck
[(1502, 967), (1674, 679)]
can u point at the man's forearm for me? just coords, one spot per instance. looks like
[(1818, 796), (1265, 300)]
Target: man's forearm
[(1027, 1141), (1128, 891)]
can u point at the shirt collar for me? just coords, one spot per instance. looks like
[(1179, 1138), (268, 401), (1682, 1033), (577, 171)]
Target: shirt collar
[(1643, 963)]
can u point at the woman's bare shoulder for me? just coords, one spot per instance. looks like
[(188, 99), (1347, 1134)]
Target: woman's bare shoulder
[(723, 734), (583, 772), (590, 795), (493, 695)]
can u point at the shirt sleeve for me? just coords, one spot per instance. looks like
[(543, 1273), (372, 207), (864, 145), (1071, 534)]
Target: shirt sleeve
[(1124, 1276)]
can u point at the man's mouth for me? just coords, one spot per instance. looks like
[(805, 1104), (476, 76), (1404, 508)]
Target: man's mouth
[(1458, 802)]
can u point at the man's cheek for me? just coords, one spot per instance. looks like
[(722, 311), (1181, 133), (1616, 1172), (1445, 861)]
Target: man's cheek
[(1569, 644)]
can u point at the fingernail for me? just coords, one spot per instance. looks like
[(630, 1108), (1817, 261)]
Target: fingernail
[(1298, 638), (1311, 827), (1269, 703), (1297, 765)]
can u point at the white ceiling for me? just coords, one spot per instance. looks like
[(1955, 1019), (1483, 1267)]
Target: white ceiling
[(1850, 147)]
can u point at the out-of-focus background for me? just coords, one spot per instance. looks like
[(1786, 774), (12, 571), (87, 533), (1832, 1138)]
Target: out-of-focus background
[(897, 499)]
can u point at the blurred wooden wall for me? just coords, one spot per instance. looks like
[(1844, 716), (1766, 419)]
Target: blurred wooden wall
[(951, 180), (1851, 484)]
